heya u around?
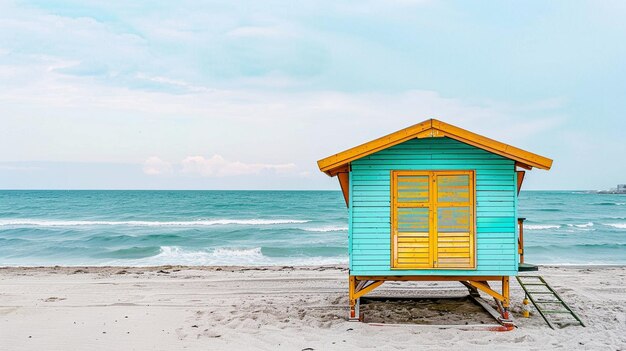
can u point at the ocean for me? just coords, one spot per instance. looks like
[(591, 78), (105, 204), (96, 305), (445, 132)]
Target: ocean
[(142, 228)]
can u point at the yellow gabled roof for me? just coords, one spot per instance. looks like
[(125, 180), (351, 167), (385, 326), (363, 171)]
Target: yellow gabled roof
[(432, 128)]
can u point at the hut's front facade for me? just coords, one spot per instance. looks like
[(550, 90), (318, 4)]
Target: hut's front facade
[(432, 202)]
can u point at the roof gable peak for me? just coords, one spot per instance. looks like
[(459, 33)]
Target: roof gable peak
[(432, 128)]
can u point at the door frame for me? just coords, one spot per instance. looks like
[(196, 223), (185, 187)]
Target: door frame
[(432, 218)]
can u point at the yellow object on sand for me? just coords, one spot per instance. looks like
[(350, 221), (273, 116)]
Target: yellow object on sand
[(525, 308)]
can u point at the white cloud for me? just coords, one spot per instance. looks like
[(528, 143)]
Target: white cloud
[(217, 166), (273, 127), (19, 168), (169, 82), (156, 166), (256, 32)]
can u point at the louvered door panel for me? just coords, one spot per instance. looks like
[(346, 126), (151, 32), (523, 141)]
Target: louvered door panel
[(413, 237), (455, 242), (412, 189)]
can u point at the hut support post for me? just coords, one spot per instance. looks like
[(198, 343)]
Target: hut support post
[(507, 301), (354, 302), (502, 299), (358, 288)]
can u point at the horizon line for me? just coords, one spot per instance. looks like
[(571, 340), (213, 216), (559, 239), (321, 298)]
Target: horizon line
[(338, 190)]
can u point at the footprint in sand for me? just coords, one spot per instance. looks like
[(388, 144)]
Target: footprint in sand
[(54, 299)]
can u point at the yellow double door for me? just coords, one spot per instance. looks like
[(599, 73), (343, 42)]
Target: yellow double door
[(432, 219)]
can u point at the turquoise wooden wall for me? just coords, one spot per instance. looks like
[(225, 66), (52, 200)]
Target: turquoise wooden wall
[(496, 200)]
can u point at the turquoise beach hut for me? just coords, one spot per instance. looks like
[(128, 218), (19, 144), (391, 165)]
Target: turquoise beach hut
[(433, 202)]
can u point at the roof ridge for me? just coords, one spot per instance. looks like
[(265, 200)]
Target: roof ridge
[(527, 159)]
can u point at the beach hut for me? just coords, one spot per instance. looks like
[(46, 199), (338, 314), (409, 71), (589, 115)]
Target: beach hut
[(433, 202)]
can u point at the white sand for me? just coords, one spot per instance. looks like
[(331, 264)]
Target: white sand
[(276, 309)]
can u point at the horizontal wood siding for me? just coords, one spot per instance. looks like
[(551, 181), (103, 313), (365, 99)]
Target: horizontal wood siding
[(370, 198)]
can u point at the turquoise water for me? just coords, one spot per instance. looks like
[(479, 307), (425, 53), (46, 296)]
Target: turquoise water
[(261, 227)]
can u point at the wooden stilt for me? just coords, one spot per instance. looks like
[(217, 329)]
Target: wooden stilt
[(361, 285), (358, 288), (354, 302), (504, 304)]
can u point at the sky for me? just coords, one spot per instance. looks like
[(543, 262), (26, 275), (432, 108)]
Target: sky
[(250, 94)]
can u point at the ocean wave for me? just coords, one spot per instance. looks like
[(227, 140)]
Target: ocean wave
[(218, 256), (326, 229), (62, 223), (616, 225), (583, 226), (305, 250), (551, 247), (586, 225), (609, 203), (229, 252), (225, 257), (9, 241), (132, 252), (107, 238), (541, 226)]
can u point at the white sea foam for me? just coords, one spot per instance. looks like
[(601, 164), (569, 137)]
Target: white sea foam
[(326, 229), (227, 252), (586, 225), (61, 223), (177, 255), (224, 257), (616, 225), (541, 226)]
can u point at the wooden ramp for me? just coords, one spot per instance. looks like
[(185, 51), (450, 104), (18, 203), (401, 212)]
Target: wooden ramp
[(547, 302)]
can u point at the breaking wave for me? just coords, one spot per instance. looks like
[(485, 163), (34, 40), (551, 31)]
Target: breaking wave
[(62, 223), (586, 225), (326, 229), (616, 225), (224, 257), (541, 226)]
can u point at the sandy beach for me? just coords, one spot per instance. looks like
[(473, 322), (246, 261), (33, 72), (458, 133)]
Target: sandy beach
[(282, 308)]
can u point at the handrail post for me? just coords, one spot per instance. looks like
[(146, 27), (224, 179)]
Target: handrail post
[(520, 240)]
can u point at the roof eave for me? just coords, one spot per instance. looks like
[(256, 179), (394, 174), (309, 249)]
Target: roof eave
[(432, 128), (329, 163)]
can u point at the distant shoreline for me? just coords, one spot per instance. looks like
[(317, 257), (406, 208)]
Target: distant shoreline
[(334, 190)]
